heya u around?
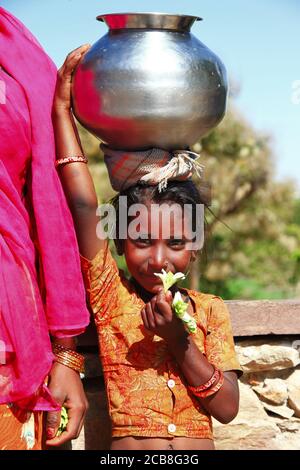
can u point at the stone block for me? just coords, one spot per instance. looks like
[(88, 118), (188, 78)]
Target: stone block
[(260, 356), (251, 429)]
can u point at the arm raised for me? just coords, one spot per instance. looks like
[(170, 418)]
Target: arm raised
[(75, 177)]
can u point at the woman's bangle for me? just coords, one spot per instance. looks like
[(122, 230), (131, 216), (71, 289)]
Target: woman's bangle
[(68, 357), (76, 158)]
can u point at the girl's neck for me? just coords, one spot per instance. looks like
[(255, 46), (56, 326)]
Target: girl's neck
[(145, 295), (142, 293)]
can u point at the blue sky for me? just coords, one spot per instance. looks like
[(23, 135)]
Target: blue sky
[(258, 41)]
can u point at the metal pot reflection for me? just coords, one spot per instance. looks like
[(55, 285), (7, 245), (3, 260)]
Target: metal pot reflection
[(149, 82)]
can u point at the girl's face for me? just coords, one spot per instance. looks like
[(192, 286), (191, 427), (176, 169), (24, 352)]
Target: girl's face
[(161, 244)]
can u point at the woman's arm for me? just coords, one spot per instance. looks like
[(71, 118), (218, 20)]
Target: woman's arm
[(75, 177), (159, 318)]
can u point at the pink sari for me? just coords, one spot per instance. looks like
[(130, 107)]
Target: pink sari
[(34, 218)]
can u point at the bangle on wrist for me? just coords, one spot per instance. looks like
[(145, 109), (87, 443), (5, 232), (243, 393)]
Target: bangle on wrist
[(71, 159), (210, 387), (68, 357)]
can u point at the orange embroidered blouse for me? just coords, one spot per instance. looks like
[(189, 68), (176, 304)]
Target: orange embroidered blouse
[(145, 388)]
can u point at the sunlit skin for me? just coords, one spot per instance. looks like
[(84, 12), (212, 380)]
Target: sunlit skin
[(151, 252)]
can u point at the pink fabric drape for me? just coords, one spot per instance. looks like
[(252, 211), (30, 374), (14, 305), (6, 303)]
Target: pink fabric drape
[(30, 310)]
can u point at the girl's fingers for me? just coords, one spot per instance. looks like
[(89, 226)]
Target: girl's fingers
[(150, 316), (157, 312), (71, 64), (145, 320), (161, 310), (73, 58), (159, 315), (169, 297), (79, 50), (154, 306), (163, 306)]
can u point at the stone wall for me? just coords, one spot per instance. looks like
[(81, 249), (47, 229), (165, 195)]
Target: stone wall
[(269, 415), (267, 338)]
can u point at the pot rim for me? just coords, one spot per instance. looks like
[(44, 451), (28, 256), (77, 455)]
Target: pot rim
[(154, 20)]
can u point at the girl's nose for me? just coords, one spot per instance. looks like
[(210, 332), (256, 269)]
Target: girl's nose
[(158, 260)]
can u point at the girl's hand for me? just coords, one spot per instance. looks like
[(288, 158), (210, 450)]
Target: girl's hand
[(66, 388), (158, 317), (62, 99)]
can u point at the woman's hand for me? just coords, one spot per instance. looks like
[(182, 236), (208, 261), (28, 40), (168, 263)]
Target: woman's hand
[(66, 388), (62, 99), (158, 317)]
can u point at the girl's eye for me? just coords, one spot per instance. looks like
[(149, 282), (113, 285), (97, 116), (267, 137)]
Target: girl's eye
[(143, 241), (176, 242)]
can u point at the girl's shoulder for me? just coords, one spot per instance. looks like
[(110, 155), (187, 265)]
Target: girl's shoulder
[(200, 298), (202, 306)]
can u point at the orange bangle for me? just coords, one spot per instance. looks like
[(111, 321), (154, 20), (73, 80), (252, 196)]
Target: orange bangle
[(214, 389), (68, 357), (207, 384), (204, 391)]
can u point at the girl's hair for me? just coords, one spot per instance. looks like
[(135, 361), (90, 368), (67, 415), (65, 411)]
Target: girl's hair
[(179, 192)]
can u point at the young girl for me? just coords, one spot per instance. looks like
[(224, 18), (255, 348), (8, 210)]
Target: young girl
[(163, 384)]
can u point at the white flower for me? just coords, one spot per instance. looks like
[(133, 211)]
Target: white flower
[(177, 298), (180, 310), (169, 279), (178, 304)]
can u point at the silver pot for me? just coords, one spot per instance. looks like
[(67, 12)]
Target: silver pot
[(149, 83)]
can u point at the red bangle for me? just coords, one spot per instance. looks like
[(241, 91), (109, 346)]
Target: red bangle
[(207, 384), (77, 158), (212, 390), (210, 387)]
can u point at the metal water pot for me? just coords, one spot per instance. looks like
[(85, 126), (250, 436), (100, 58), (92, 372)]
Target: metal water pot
[(149, 83)]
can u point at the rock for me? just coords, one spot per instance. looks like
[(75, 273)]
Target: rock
[(283, 410), (265, 357), (294, 379), (251, 429), (293, 384), (262, 317), (287, 441), (288, 436), (294, 400), (258, 378), (291, 425), (275, 391)]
